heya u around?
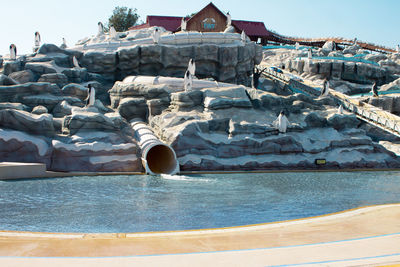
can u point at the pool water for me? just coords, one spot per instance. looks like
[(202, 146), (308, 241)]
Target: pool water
[(142, 203)]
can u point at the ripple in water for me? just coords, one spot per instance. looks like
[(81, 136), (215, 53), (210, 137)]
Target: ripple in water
[(142, 203)]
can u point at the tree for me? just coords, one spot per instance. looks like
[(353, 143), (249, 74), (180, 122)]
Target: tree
[(123, 18)]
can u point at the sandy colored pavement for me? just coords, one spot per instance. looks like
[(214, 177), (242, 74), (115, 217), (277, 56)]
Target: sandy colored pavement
[(369, 235)]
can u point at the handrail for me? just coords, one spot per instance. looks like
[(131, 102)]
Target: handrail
[(367, 112)]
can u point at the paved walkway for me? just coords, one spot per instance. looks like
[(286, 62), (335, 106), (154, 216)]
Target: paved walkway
[(363, 236)]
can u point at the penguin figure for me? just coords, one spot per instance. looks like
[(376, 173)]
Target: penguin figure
[(192, 67), (325, 88), (100, 28), (187, 81), (340, 109), (75, 62), (297, 46), (281, 122), (64, 43), (228, 20), (309, 53), (13, 52), (91, 96), (156, 36), (37, 39), (243, 37), (374, 90), (113, 33), (398, 48), (183, 25)]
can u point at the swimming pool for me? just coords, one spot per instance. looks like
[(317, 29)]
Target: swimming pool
[(142, 203)]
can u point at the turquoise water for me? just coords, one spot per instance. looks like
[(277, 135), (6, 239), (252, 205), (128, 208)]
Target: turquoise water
[(152, 203)]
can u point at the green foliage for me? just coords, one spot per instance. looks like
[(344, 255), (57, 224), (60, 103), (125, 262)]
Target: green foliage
[(123, 18)]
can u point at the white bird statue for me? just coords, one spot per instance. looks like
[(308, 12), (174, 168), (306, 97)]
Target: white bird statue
[(309, 53), (183, 25), (91, 96), (13, 52), (340, 109), (325, 88), (156, 35), (281, 122), (75, 62), (228, 20), (192, 67), (64, 43), (113, 33), (37, 39), (243, 37), (100, 28), (297, 46), (188, 81)]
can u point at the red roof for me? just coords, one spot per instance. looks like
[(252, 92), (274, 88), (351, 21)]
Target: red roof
[(252, 28), (169, 23)]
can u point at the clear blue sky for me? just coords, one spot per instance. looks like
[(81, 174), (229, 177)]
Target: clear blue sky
[(369, 20)]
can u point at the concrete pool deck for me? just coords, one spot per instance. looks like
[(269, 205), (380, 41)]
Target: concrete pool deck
[(359, 237)]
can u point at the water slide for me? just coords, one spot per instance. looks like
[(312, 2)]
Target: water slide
[(157, 157)]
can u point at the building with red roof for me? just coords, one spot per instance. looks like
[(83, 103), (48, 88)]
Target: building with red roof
[(209, 19)]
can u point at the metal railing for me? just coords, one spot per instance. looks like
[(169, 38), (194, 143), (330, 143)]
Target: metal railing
[(364, 111)]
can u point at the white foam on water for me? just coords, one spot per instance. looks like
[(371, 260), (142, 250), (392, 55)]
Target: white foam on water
[(182, 178)]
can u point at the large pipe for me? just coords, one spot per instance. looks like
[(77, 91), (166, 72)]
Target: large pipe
[(157, 157)]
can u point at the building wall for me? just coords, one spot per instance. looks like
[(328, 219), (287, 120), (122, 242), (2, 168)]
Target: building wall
[(207, 20)]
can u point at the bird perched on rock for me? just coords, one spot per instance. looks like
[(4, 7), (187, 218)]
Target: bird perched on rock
[(37, 39), (64, 43), (75, 62), (243, 37), (156, 35), (91, 95), (281, 122), (113, 33), (228, 19), (374, 90), (100, 28), (309, 53), (340, 109), (13, 52), (183, 25), (325, 88), (187, 81), (192, 67)]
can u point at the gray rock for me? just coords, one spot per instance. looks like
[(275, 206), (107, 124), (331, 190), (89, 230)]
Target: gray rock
[(376, 57), (48, 100), (39, 68), (186, 100), (395, 85), (343, 121), (75, 90), (62, 109), (228, 56), (314, 119), (38, 110), (131, 108), (23, 76), (57, 78), (27, 122), (17, 146), (17, 106), (60, 59), (5, 80), (11, 66), (351, 49), (329, 46), (88, 121), (227, 97), (76, 75), (16, 93), (95, 155)]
